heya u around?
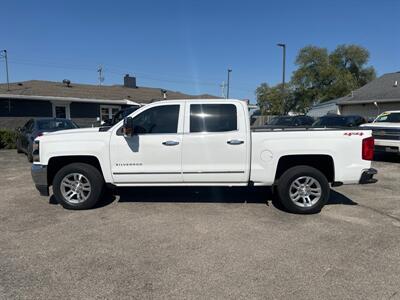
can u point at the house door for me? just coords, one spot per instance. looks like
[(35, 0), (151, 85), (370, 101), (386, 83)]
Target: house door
[(107, 112), (61, 110)]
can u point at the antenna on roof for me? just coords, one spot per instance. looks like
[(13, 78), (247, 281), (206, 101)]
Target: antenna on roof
[(101, 76)]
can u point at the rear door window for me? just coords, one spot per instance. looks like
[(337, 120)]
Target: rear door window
[(213, 117)]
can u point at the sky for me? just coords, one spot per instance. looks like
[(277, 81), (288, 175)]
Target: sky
[(188, 45)]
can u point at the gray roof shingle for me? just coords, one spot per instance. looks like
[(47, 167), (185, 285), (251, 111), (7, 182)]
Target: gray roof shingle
[(380, 90), (87, 91)]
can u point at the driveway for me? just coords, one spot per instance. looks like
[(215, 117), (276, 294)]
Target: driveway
[(199, 243)]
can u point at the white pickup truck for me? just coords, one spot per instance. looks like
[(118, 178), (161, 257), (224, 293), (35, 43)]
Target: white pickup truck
[(201, 143), (386, 131)]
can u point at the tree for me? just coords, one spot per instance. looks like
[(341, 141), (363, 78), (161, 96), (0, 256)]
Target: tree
[(320, 76), (353, 58), (272, 101)]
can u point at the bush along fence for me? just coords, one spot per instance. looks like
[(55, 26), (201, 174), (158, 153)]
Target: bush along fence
[(7, 139)]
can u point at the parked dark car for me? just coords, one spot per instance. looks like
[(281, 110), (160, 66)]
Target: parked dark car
[(253, 116), (120, 115), (337, 121), (37, 127), (290, 121)]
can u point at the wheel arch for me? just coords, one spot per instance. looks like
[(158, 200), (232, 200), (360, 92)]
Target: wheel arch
[(57, 162), (322, 162)]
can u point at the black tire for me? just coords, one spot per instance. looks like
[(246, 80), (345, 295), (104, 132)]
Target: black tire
[(29, 154), (94, 177), (17, 143), (289, 177)]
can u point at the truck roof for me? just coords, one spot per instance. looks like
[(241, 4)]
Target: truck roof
[(200, 100)]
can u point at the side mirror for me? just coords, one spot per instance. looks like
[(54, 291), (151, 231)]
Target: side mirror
[(370, 120), (127, 128), (107, 122)]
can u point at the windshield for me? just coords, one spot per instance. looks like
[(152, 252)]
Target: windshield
[(331, 121), (284, 121), (52, 124), (389, 117), (123, 113)]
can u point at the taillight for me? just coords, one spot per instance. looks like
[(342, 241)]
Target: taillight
[(368, 148)]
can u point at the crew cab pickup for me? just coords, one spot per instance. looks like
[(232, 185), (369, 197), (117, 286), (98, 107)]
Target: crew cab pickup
[(386, 131), (201, 143)]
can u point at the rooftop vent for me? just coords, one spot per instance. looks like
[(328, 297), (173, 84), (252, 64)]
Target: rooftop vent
[(67, 82), (164, 94), (395, 83), (130, 81)]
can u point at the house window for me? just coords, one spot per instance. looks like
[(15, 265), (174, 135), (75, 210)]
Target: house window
[(61, 110), (107, 112)]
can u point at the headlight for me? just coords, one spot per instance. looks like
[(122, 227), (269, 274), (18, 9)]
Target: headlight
[(35, 150)]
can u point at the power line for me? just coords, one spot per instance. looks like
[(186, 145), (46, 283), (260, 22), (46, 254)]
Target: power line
[(117, 71)]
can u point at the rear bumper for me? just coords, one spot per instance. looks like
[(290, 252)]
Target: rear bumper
[(39, 176), (367, 176)]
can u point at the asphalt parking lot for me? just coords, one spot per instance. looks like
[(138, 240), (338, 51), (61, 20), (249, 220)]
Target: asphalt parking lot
[(199, 243)]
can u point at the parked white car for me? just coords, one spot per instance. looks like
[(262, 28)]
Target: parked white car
[(201, 143), (386, 131)]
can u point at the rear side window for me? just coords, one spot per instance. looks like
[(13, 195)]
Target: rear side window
[(159, 119), (213, 117)]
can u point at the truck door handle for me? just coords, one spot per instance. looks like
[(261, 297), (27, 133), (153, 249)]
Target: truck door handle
[(235, 142), (170, 143)]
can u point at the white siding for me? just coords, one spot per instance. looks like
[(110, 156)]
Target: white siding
[(368, 110), (322, 110)]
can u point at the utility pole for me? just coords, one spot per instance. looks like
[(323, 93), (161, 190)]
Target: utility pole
[(228, 84), (283, 71), (222, 86), (6, 59), (101, 77)]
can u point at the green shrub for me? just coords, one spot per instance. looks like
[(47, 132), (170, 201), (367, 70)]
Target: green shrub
[(7, 139)]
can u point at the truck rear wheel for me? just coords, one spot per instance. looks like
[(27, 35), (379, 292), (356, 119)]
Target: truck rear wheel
[(78, 186), (303, 190)]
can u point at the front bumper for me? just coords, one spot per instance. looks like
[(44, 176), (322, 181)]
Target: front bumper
[(367, 176), (39, 176), (389, 146)]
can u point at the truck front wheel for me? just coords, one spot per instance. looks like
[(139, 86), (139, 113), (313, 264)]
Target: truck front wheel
[(78, 186), (303, 190)]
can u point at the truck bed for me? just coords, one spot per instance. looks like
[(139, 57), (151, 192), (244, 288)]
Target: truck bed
[(305, 128)]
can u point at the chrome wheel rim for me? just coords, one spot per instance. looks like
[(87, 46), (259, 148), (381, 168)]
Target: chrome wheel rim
[(305, 191), (75, 188)]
